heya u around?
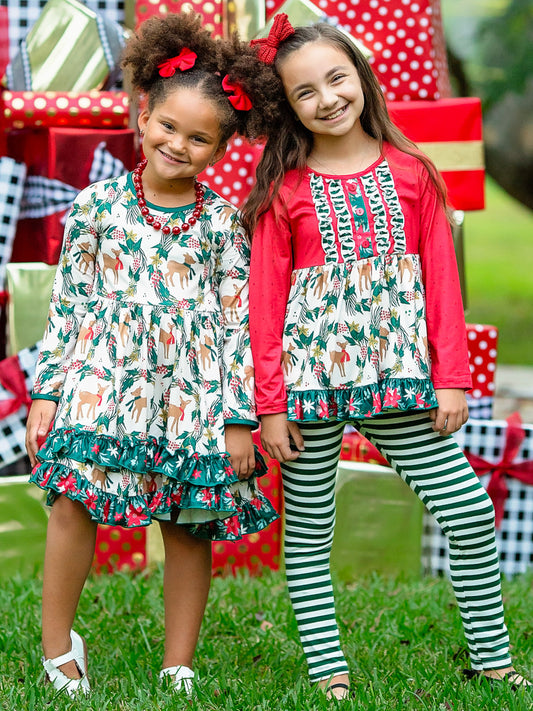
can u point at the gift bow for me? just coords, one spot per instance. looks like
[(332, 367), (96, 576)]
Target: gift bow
[(523, 471), (13, 380), (44, 196), (268, 46), (185, 60), (237, 97)]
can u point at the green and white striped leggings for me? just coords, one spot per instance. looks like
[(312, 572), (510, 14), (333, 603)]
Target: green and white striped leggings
[(437, 471)]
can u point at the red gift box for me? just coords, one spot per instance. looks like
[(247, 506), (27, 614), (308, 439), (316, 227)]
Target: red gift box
[(66, 156), (257, 550), (406, 40), (482, 353), (357, 448), (449, 131), (213, 13), (233, 176), (119, 549), (94, 109)]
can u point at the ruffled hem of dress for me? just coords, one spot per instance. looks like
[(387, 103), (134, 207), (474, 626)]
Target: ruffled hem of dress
[(241, 516), (151, 456), (364, 401)]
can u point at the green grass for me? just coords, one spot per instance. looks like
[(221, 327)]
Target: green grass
[(498, 265), (403, 642)]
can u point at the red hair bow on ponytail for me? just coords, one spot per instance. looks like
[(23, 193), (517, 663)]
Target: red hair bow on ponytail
[(238, 98), (268, 46), (185, 60)]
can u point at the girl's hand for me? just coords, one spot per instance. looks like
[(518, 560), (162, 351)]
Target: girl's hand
[(452, 412), (40, 418), (280, 438), (240, 446)]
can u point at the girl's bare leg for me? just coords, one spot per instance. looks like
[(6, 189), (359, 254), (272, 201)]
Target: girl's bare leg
[(69, 553), (186, 587)]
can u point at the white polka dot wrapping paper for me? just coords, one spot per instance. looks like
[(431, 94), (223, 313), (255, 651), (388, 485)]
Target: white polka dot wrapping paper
[(514, 534), (405, 37), (92, 109), (482, 353)]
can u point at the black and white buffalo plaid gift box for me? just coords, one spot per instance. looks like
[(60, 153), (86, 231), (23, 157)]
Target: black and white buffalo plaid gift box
[(501, 452), (12, 175), (16, 382)]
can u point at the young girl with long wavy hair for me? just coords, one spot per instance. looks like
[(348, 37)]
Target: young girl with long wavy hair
[(356, 317)]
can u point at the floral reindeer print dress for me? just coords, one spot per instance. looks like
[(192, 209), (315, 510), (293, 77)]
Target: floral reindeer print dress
[(147, 354)]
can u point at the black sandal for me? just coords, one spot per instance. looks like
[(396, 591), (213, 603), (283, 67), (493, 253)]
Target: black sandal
[(339, 685), (507, 678)]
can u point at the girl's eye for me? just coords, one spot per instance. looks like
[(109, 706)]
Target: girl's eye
[(338, 77), (166, 125), (303, 94), (199, 139)]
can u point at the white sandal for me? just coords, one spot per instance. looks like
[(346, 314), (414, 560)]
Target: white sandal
[(61, 681), (182, 678)]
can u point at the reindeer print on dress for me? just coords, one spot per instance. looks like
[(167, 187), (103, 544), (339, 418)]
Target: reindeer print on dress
[(148, 344), (354, 329)]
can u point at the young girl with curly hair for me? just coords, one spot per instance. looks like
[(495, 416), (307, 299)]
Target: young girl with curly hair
[(145, 375), (356, 317)]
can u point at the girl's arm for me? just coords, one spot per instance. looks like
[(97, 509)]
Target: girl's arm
[(281, 438), (240, 446), (270, 281), (72, 288), (446, 330), (40, 418)]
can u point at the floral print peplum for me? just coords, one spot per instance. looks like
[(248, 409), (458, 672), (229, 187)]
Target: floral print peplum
[(344, 271), (147, 354)]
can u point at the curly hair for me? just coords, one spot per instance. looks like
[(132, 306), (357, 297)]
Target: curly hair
[(289, 143), (161, 38)]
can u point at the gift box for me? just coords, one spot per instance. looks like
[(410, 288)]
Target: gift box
[(93, 109), (482, 354), (406, 41), (69, 48), (501, 452), (118, 548), (21, 15), (449, 131), (23, 529), (257, 550), (357, 448), (12, 175), (246, 17), (378, 523), (234, 174), (54, 179), (214, 13), (29, 287), (16, 382)]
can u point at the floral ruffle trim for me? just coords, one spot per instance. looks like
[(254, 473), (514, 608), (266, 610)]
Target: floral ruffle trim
[(151, 456), (244, 515), (361, 402)]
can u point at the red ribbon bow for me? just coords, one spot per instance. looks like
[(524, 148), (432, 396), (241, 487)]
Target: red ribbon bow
[(523, 471), (185, 60), (238, 98), (12, 379), (268, 46)]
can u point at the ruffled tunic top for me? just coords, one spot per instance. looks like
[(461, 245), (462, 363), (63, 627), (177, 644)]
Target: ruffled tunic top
[(355, 301), (147, 353)]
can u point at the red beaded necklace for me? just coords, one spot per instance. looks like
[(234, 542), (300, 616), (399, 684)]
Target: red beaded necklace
[(155, 222)]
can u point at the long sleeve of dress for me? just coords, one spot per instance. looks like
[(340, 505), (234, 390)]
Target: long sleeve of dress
[(72, 288), (444, 308), (270, 279), (232, 275)]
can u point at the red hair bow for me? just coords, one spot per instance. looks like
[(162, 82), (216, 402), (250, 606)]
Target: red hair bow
[(268, 46), (185, 60), (238, 98)]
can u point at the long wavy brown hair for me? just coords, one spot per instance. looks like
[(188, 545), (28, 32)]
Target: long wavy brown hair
[(288, 143)]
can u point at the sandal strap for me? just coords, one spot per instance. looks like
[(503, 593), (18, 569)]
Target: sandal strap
[(339, 685), (62, 659), (178, 672)]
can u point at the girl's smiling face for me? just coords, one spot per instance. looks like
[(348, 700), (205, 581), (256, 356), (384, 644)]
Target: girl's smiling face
[(181, 136), (323, 88)]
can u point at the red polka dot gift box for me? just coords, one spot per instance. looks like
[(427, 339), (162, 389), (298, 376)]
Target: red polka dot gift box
[(92, 109), (482, 352), (234, 175), (213, 12), (119, 548), (257, 550), (405, 37)]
